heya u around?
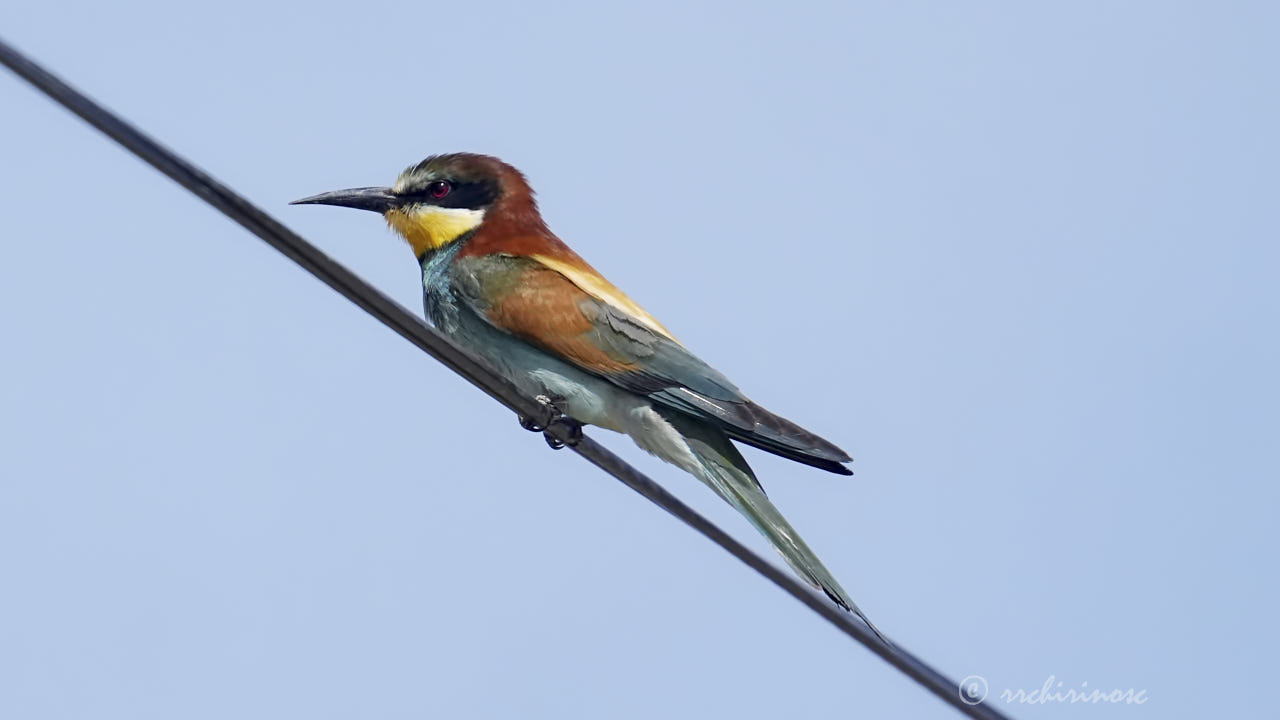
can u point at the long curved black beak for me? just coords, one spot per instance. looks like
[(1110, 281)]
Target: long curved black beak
[(377, 199)]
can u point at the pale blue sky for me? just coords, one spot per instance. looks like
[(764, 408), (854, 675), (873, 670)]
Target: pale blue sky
[(1021, 261)]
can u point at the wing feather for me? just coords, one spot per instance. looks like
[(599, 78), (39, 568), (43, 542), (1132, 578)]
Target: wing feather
[(580, 317), (594, 284)]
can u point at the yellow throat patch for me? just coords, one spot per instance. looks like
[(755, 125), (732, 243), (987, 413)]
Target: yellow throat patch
[(429, 227)]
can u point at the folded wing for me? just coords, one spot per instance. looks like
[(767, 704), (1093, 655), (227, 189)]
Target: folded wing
[(569, 310)]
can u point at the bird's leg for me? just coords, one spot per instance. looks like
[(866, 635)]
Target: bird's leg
[(531, 424), (553, 403), (575, 433)]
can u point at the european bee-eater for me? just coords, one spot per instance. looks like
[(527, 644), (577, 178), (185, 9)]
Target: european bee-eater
[(500, 283)]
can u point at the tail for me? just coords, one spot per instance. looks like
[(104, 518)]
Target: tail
[(722, 467)]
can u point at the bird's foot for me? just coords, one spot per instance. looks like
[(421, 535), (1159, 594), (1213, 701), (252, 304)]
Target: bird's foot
[(533, 424), (575, 433), (556, 417)]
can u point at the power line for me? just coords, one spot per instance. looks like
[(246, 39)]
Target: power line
[(475, 370)]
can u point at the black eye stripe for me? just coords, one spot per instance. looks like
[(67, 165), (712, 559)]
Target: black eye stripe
[(473, 195)]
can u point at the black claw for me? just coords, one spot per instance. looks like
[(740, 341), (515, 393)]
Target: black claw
[(575, 433), (558, 417)]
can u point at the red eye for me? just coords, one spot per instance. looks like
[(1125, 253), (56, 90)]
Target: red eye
[(439, 189)]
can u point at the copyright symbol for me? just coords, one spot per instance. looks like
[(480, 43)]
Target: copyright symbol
[(973, 690)]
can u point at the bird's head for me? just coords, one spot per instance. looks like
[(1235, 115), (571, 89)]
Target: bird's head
[(443, 199)]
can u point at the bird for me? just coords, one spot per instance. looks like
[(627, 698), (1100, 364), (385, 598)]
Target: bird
[(497, 281)]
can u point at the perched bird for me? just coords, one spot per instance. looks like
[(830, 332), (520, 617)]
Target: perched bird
[(500, 283)]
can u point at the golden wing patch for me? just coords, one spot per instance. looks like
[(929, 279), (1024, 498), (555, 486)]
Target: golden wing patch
[(604, 291)]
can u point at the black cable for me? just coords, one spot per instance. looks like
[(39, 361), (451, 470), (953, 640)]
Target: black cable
[(476, 371)]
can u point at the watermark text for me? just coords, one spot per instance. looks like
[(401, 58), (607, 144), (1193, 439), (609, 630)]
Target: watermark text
[(974, 689)]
